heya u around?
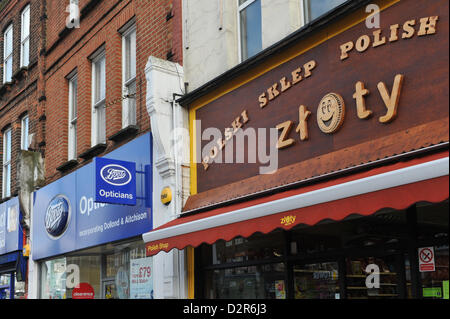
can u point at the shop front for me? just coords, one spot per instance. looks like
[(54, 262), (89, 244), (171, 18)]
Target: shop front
[(319, 167), (87, 244), (13, 265)]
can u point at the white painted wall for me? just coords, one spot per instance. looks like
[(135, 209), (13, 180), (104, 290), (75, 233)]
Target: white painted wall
[(169, 123), (210, 34)]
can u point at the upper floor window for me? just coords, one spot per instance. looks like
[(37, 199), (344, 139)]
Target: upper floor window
[(250, 30), (72, 142), (6, 191), (129, 76), (25, 37), (8, 54), (99, 98), (24, 140), (315, 8)]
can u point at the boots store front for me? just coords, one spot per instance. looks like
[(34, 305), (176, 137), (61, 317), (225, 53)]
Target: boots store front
[(89, 247), (319, 167)]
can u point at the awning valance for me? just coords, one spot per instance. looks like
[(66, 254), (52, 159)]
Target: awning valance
[(396, 186)]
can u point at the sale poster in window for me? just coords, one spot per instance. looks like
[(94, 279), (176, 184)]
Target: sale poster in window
[(141, 278)]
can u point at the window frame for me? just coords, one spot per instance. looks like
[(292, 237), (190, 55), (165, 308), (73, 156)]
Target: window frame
[(305, 6), (25, 39), (98, 103), (24, 132), (240, 8), (6, 163), (128, 80), (9, 56), (72, 121)]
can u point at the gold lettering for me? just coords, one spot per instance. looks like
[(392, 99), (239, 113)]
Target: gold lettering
[(213, 152), (286, 129), (360, 92), (296, 77), (273, 92), (377, 39), (302, 128), (262, 100), (285, 84), (236, 124), (220, 143), (390, 101), (309, 67), (428, 25), (244, 117), (394, 33), (345, 48), (362, 43), (228, 133), (408, 29)]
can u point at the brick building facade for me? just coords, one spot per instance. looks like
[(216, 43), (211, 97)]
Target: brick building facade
[(81, 92), (103, 26), (19, 89), (41, 89)]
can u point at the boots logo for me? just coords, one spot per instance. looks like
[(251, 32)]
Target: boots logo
[(116, 175), (57, 216)]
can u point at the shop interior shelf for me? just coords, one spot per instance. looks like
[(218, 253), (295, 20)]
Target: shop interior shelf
[(361, 287), (364, 276)]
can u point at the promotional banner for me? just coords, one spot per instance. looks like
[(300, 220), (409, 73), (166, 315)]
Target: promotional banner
[(67, 218), (141, 280), (10, 233)]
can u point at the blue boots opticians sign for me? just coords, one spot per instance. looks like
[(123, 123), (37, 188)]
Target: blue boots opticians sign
[(115, 181)]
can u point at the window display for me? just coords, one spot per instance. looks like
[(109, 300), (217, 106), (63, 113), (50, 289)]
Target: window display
[(317, 281), (252, 282), (119, 271), (356, 278)]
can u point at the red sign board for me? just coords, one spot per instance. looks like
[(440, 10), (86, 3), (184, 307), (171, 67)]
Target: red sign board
[(426, 259), (83, 291)]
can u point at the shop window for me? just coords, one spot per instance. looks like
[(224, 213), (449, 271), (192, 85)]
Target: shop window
[(73, 103), (317, 281), (249, 26), (238, 250), (249, 282), (8, 54), (357, 273), (99, 98), (315, 8), (25, 37), (7, 163), (129, 76), (119, 271)]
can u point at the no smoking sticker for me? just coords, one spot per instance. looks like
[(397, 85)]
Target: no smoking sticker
[(426, 259)]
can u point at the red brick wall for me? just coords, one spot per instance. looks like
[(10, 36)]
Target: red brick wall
[(155, 35), (22, 96)]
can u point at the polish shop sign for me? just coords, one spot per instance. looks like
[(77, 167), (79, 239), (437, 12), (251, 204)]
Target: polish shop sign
[(359, 86)]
